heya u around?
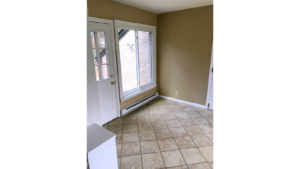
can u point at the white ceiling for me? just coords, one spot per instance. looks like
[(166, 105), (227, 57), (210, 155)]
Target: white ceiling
[(162, 6)]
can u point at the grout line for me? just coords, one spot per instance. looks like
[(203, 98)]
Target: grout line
[(140, 145), (159, 150)]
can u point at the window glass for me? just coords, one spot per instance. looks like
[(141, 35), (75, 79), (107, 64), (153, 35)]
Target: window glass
[(144, 58)]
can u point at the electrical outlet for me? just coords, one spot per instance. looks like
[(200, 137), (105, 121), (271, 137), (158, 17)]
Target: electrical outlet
[(176, 93)]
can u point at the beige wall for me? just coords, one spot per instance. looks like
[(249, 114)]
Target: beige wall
[(184, 44), (108, 9)]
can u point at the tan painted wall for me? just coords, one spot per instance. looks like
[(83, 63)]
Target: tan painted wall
[(184, 44), (108, 9)]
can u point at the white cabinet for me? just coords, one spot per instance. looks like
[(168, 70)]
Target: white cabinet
[(101, 148)]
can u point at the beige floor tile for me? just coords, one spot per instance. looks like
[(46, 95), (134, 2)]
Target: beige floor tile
[(154, 111), (207, 113), (206, 128), (177, 110), (119, 150), (201, 140), (184, 142), (119, 163), (117, 121), (144, 126), (130, 137), (118, 138), (183, 104), (173, 158), (182, 115), (211, 137), (200, 120), (194, 114), (169, 116), (152, 161), (149, 146), (199, 108), (207, 152), (131, 162), (174, 109), (192, 156), (147, 135), (211, 164), (187, 122), (193, 130), (159, 124), (188, 109), (173, 123), (129, 127), (164, 110), (143, 118), (105, 125), (209, 118), (130, 119), (180, 167), (131, 148), (199, 166), (115, 129), (167, 144), (162, 133), (178, 132), (156, 117)]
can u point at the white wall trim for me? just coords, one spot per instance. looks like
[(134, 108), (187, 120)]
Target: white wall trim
[(182, 101), (210, 76), (111, 23)]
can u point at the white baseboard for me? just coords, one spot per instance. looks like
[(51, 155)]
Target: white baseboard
[(182, 101)]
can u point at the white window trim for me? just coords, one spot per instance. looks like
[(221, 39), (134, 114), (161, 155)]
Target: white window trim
[(142, 27)]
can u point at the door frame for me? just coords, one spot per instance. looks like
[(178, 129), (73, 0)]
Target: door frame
[(111, 23), (210, 77)]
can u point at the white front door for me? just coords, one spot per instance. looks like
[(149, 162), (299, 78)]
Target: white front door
[(102, 53)]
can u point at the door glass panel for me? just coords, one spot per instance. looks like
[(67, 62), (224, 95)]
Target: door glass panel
[(97, 73), (128, 59), (93, 40), (101, 40), (103, 56), (96, 61)]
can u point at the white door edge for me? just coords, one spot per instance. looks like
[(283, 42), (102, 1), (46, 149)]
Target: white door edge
[(210, 78)]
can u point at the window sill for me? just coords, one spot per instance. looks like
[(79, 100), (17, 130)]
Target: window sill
[(137, 93)]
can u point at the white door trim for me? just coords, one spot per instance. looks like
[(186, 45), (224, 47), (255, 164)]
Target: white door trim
[(111, 23), (210, 77)]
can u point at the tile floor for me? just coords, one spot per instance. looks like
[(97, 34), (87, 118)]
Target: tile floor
[(164, 134)]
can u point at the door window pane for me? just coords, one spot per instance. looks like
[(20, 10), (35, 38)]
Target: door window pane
[(93, 40), (128, 59), (97, 73), (96, 61), (101, 40), (103, 56), (144, 58)]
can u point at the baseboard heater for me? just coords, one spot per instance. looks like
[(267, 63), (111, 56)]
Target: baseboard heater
[(138, 104)]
